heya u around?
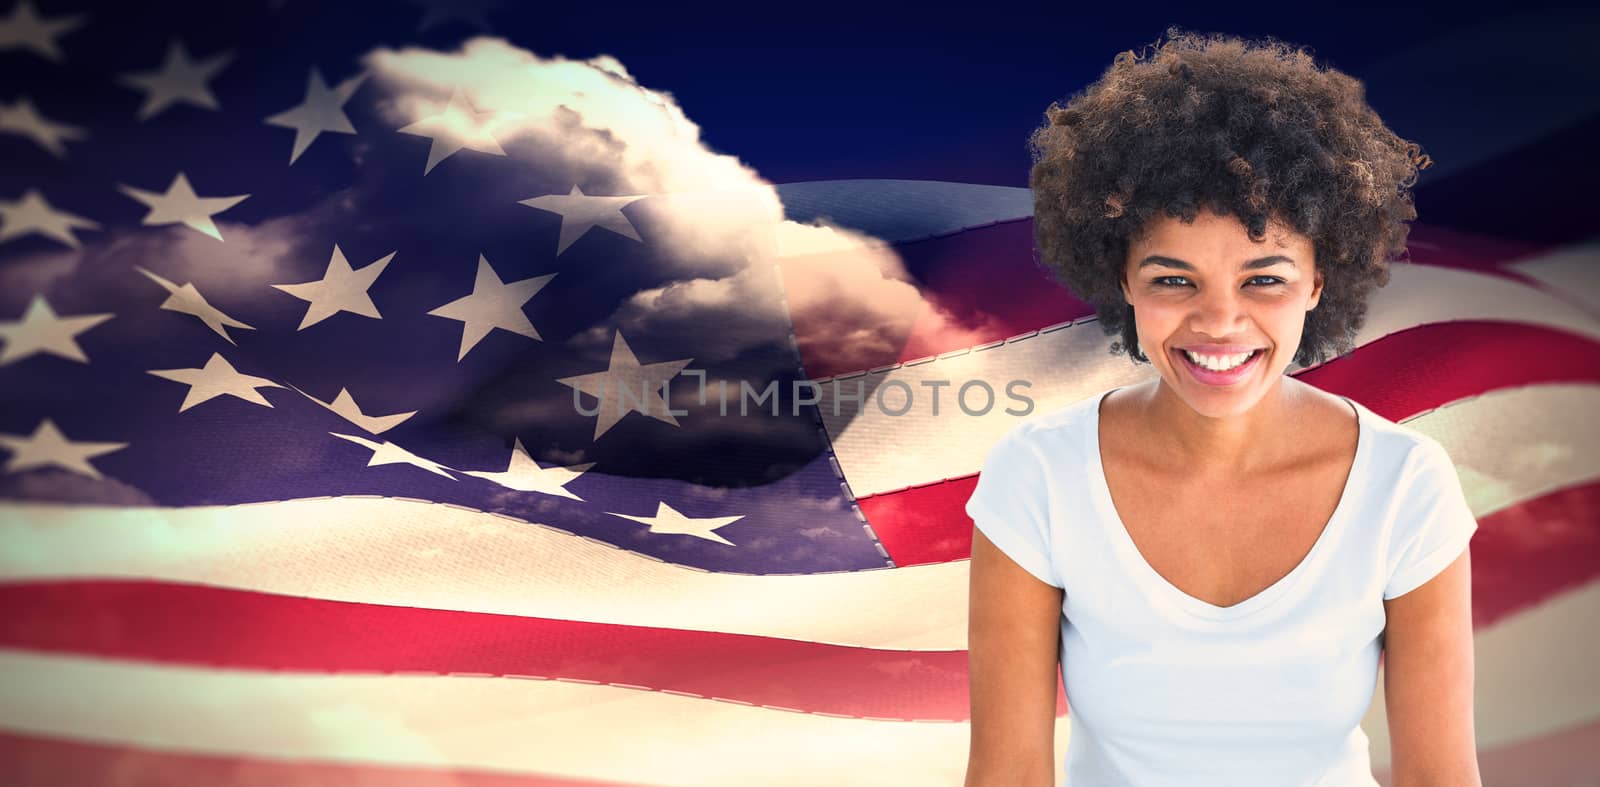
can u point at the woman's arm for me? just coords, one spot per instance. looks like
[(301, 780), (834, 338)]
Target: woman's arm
[(1427, 683), (1013, 647)]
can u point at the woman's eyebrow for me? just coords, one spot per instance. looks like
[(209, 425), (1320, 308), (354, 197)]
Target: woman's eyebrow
[(1169, 262)]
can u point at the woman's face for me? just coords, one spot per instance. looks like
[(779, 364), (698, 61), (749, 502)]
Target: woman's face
[(1209, 288)]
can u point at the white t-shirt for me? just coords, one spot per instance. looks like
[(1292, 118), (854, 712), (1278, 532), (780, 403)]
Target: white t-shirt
[(1165, 689)]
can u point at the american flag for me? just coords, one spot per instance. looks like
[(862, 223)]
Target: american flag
[(362, 416)]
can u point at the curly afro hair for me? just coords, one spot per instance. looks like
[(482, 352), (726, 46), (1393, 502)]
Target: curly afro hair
[(1253, 129)]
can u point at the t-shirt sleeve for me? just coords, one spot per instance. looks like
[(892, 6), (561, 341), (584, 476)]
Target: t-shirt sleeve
[(1009, 505), (1432, 524)]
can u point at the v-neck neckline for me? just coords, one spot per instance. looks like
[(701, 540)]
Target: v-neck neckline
[(1148, 576)]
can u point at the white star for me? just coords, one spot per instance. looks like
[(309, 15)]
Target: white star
[(40, 331), (33, 214), (344, 405), (457, 126), (644, 385), (188, 300), (180, 205), (668, 520), (23, 120), (387, 453), (47, 446), (339, 289), (525, 475), (25, 30), (493, 304), (322, 110), (580, 212), (217, 378), (178, 79)]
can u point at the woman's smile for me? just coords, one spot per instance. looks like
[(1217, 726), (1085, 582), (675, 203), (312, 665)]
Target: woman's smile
[(1218, 370)]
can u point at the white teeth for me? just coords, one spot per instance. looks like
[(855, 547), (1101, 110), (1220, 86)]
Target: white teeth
[(1218, 363)]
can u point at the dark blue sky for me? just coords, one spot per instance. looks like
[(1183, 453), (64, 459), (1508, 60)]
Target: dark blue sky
[(851, 91)]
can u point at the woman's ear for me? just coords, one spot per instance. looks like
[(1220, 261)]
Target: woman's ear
[(1316, 292)]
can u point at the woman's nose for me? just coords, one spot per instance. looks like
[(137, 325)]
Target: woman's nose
[(1218, 312)]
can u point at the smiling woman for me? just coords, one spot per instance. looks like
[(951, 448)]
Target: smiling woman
[(1249, 128), (1214, 560), (1227, 319)]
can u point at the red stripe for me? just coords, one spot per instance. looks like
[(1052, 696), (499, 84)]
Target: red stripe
[(1406, 373), (1431, 244), (1527, 553), (29, 761), (236, 629), (923, 524), (1560, 759), (1422, 368)]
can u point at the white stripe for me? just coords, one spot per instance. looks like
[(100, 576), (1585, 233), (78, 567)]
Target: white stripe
[(1509, 446), (419, 554), (1535, 675), (1517, 444), (1425, 294), (879, 453), (547, 727), (1572, 273)]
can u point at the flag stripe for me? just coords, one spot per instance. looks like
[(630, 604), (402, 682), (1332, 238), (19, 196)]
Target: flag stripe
[(1563, 758), (1534, 675), (879, 452), (1430, 243), (1431, 366), (1566, 758), (1534, 680), (413, 553), (927, 524), (1569, 273), (553, 728), (205, 626), (36, 761), (1528, 552)]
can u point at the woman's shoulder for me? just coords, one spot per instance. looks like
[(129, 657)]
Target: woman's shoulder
[(1389, 435), (1063, 428), (1063, 421), (1396, 444)]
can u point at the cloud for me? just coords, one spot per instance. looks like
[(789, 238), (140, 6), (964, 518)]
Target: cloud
[(728, 257)]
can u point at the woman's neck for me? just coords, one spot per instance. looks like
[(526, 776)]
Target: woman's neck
[(1186, 441)]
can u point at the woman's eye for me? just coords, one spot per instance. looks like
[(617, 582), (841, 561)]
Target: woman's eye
[(1183, 281)]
